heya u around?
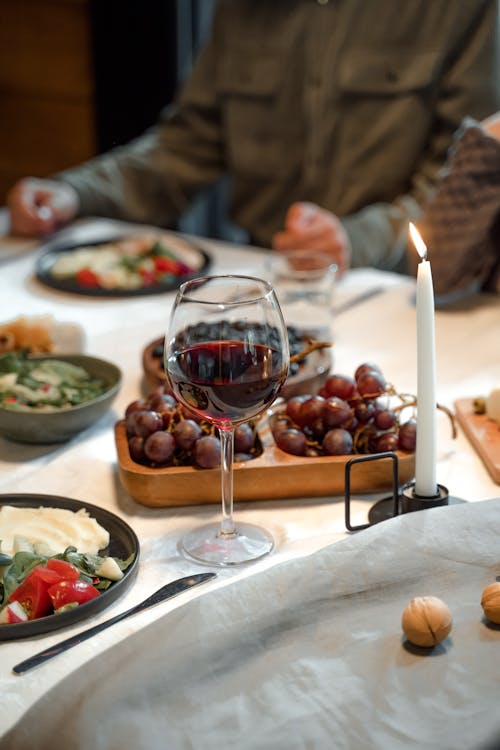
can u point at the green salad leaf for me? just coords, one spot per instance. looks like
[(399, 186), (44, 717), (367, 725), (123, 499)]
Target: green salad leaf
[(27, 384)]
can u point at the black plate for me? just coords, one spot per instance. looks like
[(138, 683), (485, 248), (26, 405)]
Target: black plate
[(47, 259), (123, 543)]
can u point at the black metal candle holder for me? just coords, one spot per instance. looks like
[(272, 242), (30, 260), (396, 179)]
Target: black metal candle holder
[(390, 505), (403, 499)]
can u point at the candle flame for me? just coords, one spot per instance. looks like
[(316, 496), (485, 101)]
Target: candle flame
[(418, 242)]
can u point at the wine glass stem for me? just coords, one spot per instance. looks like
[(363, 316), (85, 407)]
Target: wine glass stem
[(227, 455)]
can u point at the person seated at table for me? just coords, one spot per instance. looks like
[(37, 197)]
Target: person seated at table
[(331, 120), (461, 222)]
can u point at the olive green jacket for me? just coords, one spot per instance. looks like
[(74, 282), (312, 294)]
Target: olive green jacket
[(350, 104)]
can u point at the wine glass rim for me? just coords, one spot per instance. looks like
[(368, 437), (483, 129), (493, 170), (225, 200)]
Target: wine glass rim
[(265, 287)]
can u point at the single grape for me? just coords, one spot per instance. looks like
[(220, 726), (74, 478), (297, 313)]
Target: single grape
[(337, 442), (408, 435), (136, 448), (130, 420), (244, 438), (162, 402), (342, 386), (386, 442), (384, 419), (144, 422), (292, 441), (364, 411), (366, 367), (159, 447), (371, 384), (186, 433), (336, 412), (206, 452), (278, 424), (293, 405), (310, 410), (135, 406)]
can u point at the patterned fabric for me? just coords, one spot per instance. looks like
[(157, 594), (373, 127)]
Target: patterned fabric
[(461, 224)]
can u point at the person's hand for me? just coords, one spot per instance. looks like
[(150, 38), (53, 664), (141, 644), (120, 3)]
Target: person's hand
[(492, 125), (39, 207), (309, 227)]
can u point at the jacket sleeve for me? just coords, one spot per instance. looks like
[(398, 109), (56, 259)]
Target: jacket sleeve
[(459, 223), (469, 86)]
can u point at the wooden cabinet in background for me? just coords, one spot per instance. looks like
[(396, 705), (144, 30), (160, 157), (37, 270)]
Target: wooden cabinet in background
[(47, 111)]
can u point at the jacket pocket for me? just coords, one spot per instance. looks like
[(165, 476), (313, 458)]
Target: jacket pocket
[(256, 129)]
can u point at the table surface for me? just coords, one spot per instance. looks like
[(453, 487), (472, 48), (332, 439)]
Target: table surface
[(380, 329)]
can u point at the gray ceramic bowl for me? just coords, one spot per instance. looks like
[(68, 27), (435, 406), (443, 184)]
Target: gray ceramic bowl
[(60, 426)]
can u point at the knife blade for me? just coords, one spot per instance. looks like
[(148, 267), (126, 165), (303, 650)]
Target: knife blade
[(166, 592)]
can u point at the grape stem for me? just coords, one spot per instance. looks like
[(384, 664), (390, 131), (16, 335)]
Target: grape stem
[(408, 401), (311, 347)]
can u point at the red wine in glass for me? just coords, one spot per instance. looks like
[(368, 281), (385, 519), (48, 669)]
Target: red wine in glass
[(227, 382)]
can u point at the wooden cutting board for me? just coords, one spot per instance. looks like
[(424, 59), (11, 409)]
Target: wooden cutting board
[(483, 433)]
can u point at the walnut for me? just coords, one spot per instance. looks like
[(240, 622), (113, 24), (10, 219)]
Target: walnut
[(426, 621), (490, 602)]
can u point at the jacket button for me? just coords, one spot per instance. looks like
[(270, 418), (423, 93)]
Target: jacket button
[(392, 76)]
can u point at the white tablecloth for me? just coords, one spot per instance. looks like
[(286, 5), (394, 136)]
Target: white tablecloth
[(308, 654), (381, 329)]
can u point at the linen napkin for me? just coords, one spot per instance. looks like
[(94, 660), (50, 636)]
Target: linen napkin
[(308, 654)]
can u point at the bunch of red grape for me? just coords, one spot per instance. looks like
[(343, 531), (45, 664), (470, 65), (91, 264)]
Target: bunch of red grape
[(348, 415), (161, 432)]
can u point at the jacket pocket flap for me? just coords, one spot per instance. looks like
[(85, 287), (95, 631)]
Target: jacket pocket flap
[(373, 73)]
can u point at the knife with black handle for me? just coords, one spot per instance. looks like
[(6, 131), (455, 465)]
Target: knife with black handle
[(166, 592)]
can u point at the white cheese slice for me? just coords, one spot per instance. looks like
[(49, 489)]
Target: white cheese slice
[(58, 528)]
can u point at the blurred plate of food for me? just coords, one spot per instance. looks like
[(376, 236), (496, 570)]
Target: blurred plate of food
[(147, 262), (41, 334)]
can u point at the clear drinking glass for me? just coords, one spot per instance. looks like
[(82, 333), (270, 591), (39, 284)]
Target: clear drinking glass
[(226, 358)]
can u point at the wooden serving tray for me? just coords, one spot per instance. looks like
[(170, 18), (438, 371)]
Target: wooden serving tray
[(483, 433), (271, 476)]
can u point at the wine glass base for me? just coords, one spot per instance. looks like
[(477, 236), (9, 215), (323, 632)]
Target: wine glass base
[(208, 545)]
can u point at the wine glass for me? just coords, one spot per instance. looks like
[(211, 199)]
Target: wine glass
[(226, 358)]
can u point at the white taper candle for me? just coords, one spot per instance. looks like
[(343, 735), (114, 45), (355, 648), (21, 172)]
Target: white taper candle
[(425, 455)]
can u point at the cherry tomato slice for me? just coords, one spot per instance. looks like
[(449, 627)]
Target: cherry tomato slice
[(166, 265), (87, 277), (45, 574), (65, 569), (69, 592), (33, 595)]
